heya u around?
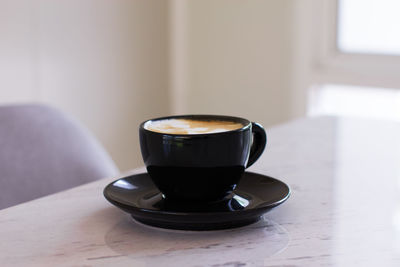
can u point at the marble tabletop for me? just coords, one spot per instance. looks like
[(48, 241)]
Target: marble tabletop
[(344, 211)]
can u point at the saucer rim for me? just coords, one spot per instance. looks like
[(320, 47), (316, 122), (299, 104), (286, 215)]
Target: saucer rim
[(136, 209)]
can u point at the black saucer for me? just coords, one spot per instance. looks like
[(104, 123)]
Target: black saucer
[(254, 195)]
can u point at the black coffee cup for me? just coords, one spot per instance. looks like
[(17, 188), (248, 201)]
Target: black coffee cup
[(200, 167)]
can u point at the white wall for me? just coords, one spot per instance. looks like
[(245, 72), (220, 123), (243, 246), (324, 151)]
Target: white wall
[(238, 58), (103, 61)]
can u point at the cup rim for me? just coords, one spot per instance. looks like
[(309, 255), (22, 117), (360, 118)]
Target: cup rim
[(246, 124)]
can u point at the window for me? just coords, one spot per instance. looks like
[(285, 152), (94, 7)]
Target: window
[(368, 26), (355, 58)]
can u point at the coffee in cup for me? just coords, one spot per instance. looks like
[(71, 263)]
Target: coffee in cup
[(199, 157), (191, 126)]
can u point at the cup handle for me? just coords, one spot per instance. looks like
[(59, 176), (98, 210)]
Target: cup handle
[(259, 142)]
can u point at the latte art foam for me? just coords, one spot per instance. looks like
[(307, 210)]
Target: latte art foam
[(187, 126)]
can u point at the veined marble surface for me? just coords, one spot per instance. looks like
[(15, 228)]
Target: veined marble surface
[(344, 211)]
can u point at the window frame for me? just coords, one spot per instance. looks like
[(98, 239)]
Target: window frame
[(336, 67)]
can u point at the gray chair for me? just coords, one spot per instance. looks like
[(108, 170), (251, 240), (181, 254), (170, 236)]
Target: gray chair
[(43, 151)]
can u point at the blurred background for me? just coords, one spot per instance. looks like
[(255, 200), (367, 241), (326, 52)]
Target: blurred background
[(113, 64)]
